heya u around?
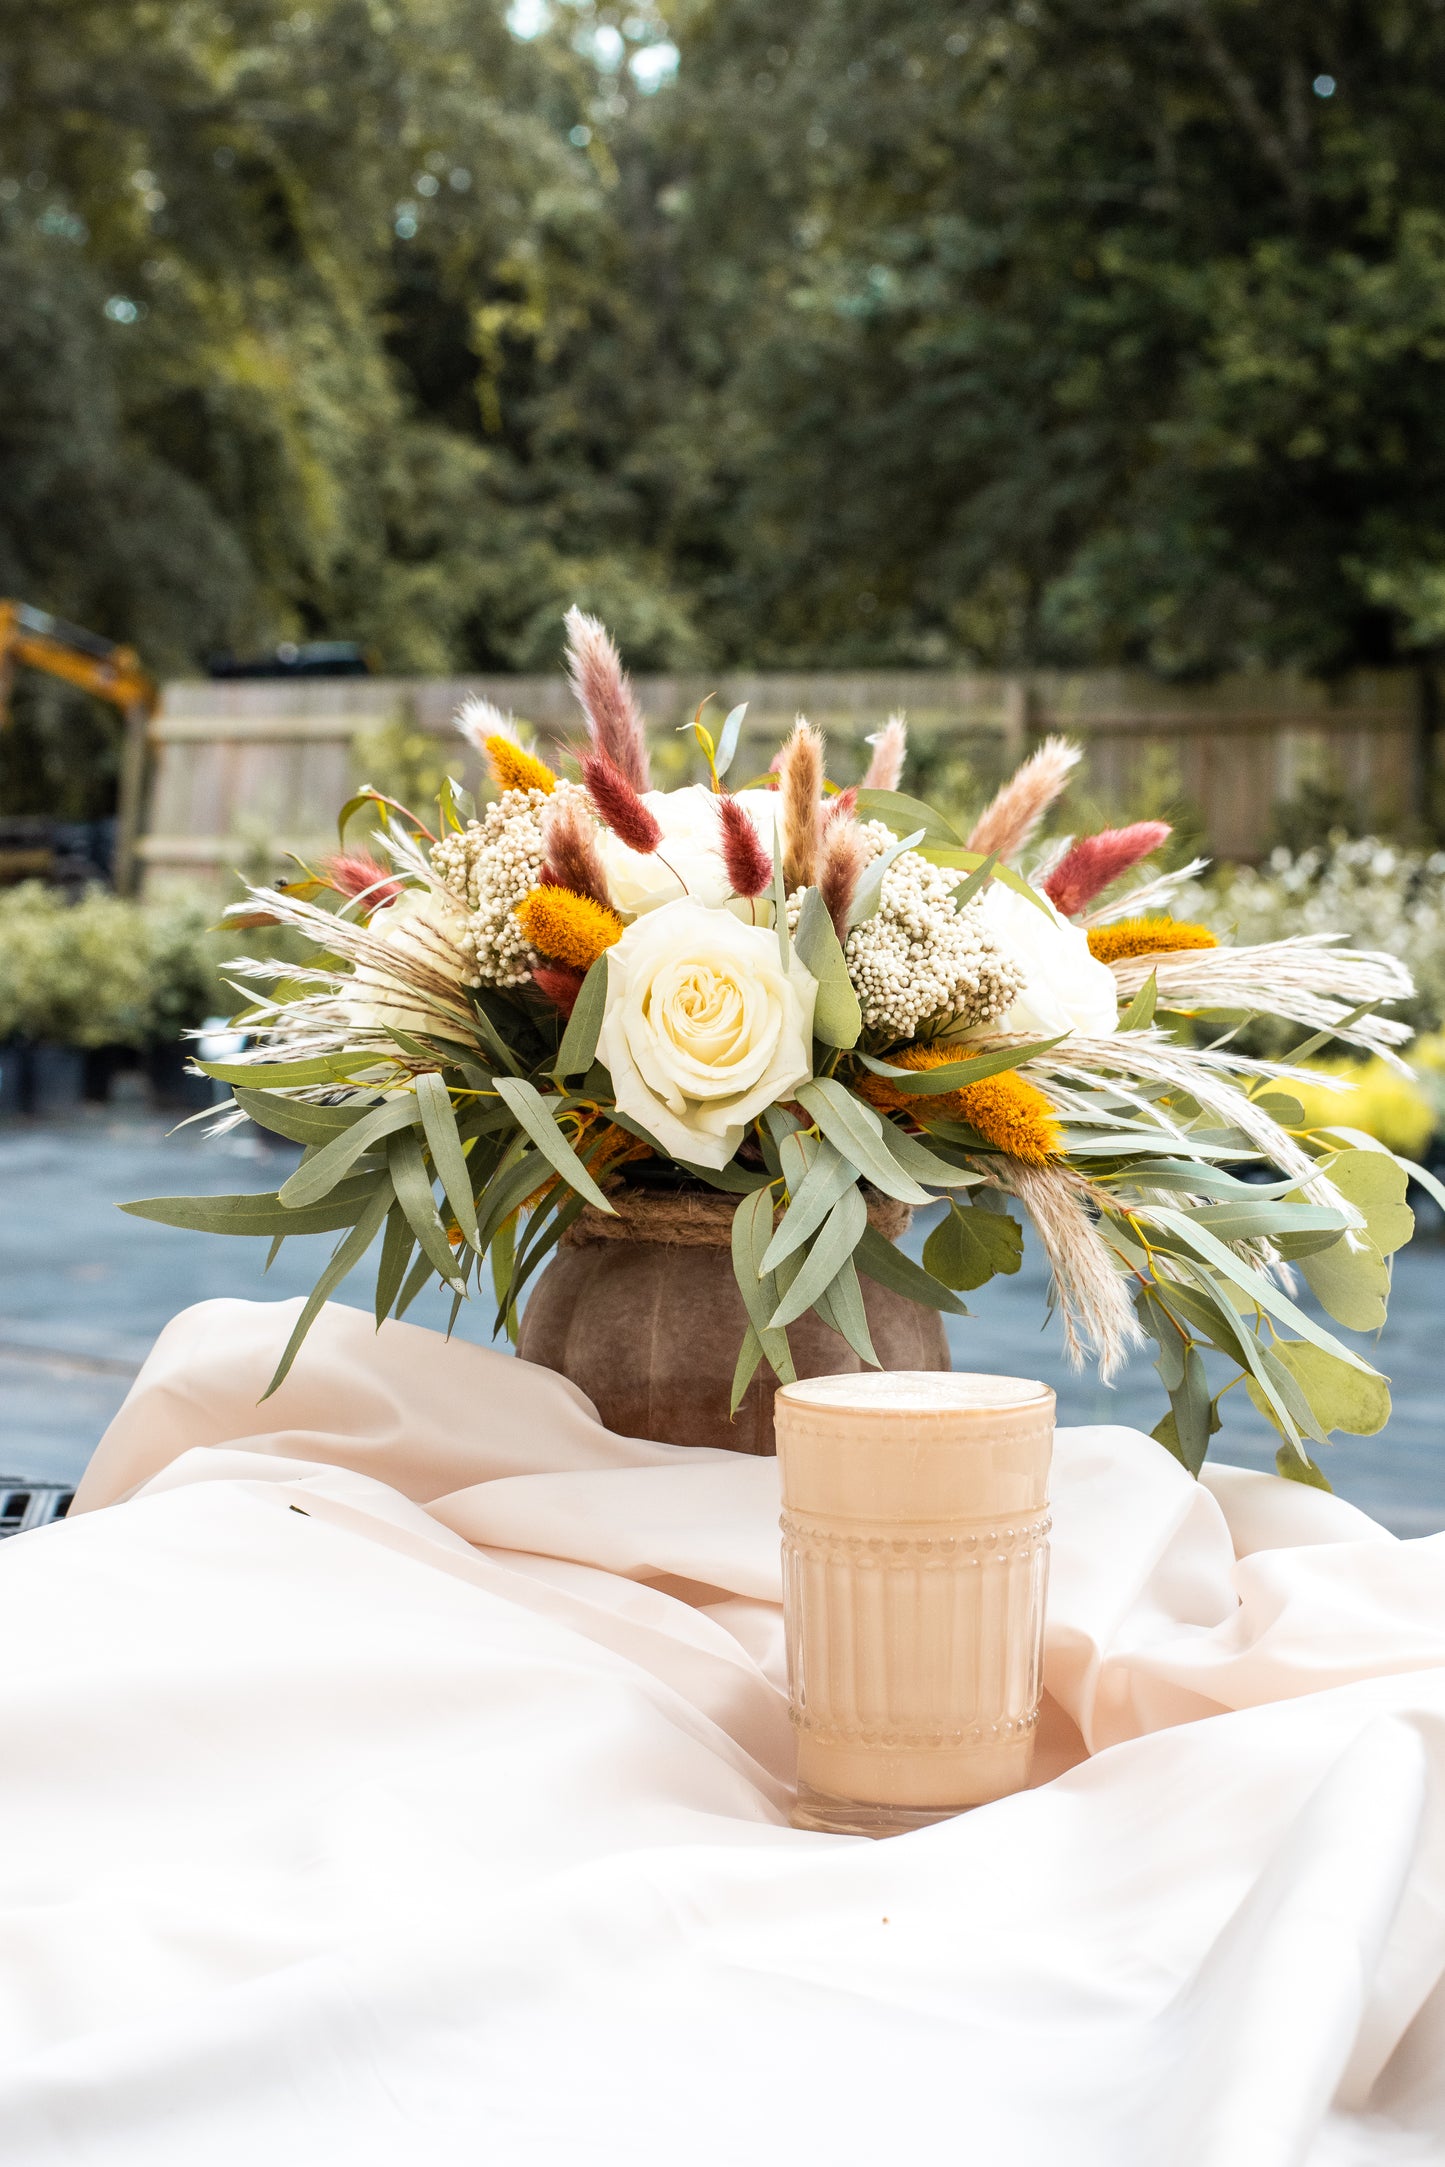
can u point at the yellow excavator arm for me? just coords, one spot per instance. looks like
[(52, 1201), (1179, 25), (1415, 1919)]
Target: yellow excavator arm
[(41, 642)]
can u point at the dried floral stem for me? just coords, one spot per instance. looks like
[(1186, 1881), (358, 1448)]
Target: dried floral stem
[(800, 781), (602, 686), (1095, 862), (890, 748), (1020, 805), (1093, 1296), (749, 866), (1306, 979)]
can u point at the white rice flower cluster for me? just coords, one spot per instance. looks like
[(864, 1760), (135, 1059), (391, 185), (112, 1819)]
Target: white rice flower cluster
[(489, 866), (919, 959)]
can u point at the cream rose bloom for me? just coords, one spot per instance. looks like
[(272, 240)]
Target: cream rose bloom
[(1066, 989), (691, 845), (703, 1028)]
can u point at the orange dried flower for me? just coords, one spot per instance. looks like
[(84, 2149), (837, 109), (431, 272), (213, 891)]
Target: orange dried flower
[(569, 928), (1147, 937), (1008, 1112), (513, 769)]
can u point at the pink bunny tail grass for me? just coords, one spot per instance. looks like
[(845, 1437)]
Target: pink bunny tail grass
[(842, 807), (572, 857), (800, 779), (1095, 862), (608, 701), (749, 867), (559, 983), (890, 748), (840, 868), (360, 879), (477, 720), (1024, 799), (618, 804)]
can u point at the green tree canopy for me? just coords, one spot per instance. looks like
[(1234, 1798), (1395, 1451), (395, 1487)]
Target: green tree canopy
[(1068, 330)]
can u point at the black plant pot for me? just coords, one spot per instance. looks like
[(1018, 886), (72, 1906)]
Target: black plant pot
[(57, 1078), (165, 1063), (14, 1077)]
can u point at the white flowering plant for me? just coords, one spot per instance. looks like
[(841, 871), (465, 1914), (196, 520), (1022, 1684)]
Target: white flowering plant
[(800, 995)]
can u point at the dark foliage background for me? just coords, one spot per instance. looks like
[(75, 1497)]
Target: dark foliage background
[(872, 331)]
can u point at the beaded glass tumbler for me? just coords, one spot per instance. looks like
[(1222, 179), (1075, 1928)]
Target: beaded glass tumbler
[(915, 1560)]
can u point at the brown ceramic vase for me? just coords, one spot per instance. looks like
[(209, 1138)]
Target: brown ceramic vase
[(643, 1314)]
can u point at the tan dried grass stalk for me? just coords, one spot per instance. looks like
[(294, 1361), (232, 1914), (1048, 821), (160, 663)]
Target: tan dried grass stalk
[(1308, 979), (1023, 800), (800, 786), (608, 701), (1093, 1295), (890, 749), (840, 868)]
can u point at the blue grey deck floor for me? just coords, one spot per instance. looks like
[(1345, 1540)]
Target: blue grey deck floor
[(84, 1291)]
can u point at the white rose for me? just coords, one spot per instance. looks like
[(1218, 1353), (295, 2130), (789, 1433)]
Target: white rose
[(1066, 989), (703, 1028), (689, 859), (424, 929)]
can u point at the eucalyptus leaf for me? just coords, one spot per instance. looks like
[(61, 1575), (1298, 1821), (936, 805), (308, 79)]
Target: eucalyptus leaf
[(396, 1248), (316, 1176), (857, 1132), (1140, 1012), (841, 1306), (751, 1232), (579, 1041), (837, 1018), (780, 902), (880, 1260), (347, 1253), (869, 892), (727, 744), (440, 1123), (750, 1355), (258, 1213), (1350, 1283), (412, 1184), (296, 1119), (902, 813), (1253, 1283), (535, 1116), (825, 1181), (968, 1247), (953, 1075), (1376, 1184), (925, 1165), (831, 1248)]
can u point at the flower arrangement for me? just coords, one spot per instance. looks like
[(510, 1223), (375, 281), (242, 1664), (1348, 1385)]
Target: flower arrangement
[(798, 993)]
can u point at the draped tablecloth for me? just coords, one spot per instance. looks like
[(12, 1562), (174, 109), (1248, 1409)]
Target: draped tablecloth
[(398, 1771)]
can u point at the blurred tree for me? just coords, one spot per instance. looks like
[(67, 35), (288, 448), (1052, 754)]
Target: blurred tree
[(1084, 330), (890, 331)]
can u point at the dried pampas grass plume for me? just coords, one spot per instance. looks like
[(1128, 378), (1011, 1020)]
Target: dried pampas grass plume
[(800, 782), (570, 855), (890, 747), (1096, 861), (1093, 1296), (608, 701), (841, 864), (1024, 799), (478, 719)]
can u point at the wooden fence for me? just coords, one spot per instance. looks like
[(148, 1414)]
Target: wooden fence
[(237, 766)]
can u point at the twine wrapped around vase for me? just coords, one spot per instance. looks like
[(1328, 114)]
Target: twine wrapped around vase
[(696, 1218)]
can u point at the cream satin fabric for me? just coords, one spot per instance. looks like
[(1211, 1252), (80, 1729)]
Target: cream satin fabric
[(396, 1775)]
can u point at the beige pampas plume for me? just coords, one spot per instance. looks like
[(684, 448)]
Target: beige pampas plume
[(800, 785), (841, 861), (1024, 799), (1093, 1295), (890, 747), (608, 701)]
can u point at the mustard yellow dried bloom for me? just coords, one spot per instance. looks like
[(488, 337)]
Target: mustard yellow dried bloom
[(1147, 937), (569, 928), (1008, 1112), (513, 769)]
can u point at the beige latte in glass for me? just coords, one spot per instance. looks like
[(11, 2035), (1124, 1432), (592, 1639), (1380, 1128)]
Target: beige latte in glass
[(915, 1561)]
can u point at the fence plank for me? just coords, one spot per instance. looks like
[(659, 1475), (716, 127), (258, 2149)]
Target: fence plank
[(235, 760)]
